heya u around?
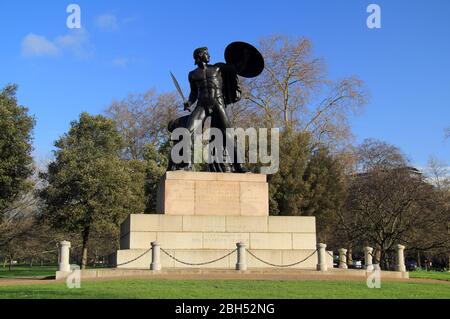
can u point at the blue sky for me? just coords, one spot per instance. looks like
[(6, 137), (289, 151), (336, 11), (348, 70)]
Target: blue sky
[(130, 46)]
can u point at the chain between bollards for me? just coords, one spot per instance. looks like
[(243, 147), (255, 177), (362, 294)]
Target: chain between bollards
[(282, 266), (197, 264)]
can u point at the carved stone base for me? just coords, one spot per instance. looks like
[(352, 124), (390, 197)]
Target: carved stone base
[(276, 239), (213, 194)]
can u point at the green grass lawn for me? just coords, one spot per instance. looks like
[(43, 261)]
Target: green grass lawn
[(437, 275), (184, 289), (221, 288), (27, 271)]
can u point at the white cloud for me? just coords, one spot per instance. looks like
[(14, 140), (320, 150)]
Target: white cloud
[(75, 42), (107, 22), (122, 62), (36, 45), (130, 19)]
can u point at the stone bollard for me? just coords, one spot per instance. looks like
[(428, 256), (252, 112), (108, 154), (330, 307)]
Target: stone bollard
[(343, 258), (64, 256), (401, 258), (241, 263), (368, 258), (156, 256), (321, 261)]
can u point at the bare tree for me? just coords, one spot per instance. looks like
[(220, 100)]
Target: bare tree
[(391, 207), (375, 154), (438, 174), (241, 115), (23, 236), (294, 92), (143, 118), (389, 202)]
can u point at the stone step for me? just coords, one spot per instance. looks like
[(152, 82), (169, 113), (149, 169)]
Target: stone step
[(231, 274), (216, 240), (232, 224)]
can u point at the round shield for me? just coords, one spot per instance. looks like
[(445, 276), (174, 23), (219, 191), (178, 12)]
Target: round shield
[(247, 60)]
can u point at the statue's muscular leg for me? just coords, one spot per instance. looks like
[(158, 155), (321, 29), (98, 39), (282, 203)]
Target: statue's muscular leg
[(221, 121), (198, 114)]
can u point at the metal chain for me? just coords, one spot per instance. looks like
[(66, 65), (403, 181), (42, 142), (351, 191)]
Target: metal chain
[(275, 265), (347, 264), (130, 261), (57, 249), (50, 251), (197, 264), (343, 262), (333, 257)]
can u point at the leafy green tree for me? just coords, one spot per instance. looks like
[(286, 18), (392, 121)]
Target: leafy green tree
[(156, 161), (15, 148), (310, 182), (138, 174), (325, 191), (89, 187), (287, 188)]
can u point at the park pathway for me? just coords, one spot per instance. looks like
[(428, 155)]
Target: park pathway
[(214, 276)]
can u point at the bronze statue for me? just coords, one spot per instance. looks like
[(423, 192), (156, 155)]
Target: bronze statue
[(212, 88)]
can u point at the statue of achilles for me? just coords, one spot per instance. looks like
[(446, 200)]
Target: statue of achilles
[(212, 88)]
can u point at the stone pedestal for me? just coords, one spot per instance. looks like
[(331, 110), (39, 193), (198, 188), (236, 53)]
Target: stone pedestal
[(202, 216), (213, 194)]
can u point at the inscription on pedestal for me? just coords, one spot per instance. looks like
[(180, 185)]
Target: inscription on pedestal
[(215, 194), (251, 203), (179, 196), (217, 198)]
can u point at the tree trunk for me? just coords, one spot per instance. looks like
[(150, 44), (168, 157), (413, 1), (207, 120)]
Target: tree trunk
[(378, 255), (5, 262), (383, 260), (419, 264), (286, 118), (84, 254), (96, 257), (10, 263), (31, 262), (84, 257)]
